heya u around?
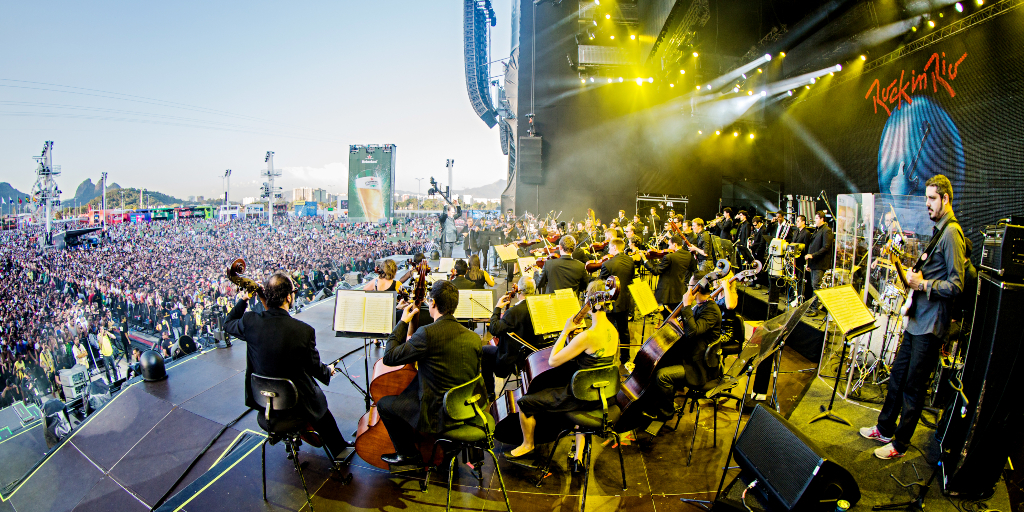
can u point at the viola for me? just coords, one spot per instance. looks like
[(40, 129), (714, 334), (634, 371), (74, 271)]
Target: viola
[(595, 265), (598, 246), (372, 438), (527, 243), (650, 354)]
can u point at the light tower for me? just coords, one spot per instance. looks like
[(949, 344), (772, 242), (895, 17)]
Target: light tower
[(450, 164), (269, 191), (227, 186), (45, 188), (103, 202)]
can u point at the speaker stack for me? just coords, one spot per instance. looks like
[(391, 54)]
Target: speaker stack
[(983, 423)]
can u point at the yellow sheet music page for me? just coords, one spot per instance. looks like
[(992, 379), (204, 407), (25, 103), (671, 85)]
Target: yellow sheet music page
[(378, 313), (643, 296), (566, 305), (465, 307), (348, 311), (483, 303), (542, 313)]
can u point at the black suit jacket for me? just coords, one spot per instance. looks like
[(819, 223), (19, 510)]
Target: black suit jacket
[(510, 351), (278, 345), (448, 355), (821, 248), (743, 233), (620, 266), (563, 272), (674, 269)]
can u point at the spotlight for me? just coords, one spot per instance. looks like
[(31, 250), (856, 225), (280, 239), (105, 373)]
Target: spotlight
[(831, 74), (759, 70), (700, 132), (682, 71), (807, 87), (695, 54), (609, 80), (718, 132), (767, 56), (782, 54), (597, 2), (814, 80), (583, 81), (735, 134), (751, 135), (959, 7), (671, 85), (981, 2), (764, 93), (607, 16), (632, 36), (709, 87), (839, 67), (790, 92), (913, 29), (620, 79), (613, 37), (650, 79), (863, 57), (591, 79), (931, 24), (744, 76), (735, 89), (639, 81), (698, 87), (750, 93)]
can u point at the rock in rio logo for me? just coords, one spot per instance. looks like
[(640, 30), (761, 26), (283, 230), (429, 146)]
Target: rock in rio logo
[(899, 90)]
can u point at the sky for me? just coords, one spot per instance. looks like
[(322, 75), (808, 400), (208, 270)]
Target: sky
[(167, 95)]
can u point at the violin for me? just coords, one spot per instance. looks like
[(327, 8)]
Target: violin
[(647, 359), (598, 246), (372, 438), (595, 265), (539, 374)]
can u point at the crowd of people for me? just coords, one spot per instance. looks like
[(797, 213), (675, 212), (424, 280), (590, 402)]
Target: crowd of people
[(59, 308)]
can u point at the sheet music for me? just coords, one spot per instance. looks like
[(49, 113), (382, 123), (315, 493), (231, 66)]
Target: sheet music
[(846, 308), (526, 262), (507, 252), (566, 306), (378, 313), (644, 297), (469, 308), (348, 311), (447, 264), (549, 312)]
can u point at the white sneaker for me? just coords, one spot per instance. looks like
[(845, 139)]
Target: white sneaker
[(873, 434), (887, 452)]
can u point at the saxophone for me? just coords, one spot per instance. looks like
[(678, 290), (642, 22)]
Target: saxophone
[(235, 272)]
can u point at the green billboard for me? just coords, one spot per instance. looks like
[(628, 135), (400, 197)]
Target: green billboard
[(371, 173)]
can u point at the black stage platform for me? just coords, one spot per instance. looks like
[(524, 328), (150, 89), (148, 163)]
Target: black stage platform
[(126, 456)]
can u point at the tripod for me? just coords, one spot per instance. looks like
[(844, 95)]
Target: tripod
[(916, 503), (827, 413)]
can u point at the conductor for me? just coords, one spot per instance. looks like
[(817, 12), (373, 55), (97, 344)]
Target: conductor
[(280, 346)]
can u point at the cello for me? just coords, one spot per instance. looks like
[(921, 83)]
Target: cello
[(372, 438), (646, 361), (539, 374)]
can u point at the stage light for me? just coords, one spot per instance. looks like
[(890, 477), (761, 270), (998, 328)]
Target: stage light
[(632, 36), (807, 87), (913, 29), (782, 54), (597, 2), (609, 80), (767, 56), (863, 57), (981, 2), (791, 92), (607, 16), (814, 80), (764, 93), (735, 134), (682, 71), (709, 87), (698, 87), (750, 93), (620, 79), (591, 79), (650, 79), (700, 132), (839, 67), (583, 81), (751, 135), (759, 70), (831, 74), (613, 37), (718, 132), (735, 89), (744, 75), (941, 15), (959, 7), (695, 54), (931, 24), (639, 81), (671, 85)]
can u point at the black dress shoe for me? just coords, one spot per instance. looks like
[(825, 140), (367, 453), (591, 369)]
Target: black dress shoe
[(397, 459)]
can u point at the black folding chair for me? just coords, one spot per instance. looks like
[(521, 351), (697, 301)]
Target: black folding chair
[(592, 385)]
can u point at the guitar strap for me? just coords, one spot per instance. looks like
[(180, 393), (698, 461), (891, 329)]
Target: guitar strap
[(931, 246)]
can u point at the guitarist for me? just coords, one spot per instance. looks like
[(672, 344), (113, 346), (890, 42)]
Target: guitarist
[(934, 283)]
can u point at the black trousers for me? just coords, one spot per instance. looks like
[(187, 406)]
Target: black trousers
[(488, 360), (327, 427), (917, 356), (620, 319), (396, 411), (666, 381)]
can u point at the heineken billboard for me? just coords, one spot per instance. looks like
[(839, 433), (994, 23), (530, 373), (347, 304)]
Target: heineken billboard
[(371, 173)]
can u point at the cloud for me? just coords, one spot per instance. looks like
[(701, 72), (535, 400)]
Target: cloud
[(335, 173)]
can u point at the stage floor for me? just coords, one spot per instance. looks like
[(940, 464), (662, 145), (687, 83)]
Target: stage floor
[(130, 453)]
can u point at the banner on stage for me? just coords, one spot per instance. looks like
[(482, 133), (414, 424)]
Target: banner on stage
[(371, 177)]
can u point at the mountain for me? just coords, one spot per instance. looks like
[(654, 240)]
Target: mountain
[(87, 191), (131, 198), (7, 191)]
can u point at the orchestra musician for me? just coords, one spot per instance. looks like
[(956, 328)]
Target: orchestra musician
[(592, 348), (934, 290), (470, 233), (801, 236), (702, 248), (685, 364), (620, 265), (564, 271), (447, 355), (743, 231), (385, 282), (756, 245), (726, 224), (819, 255), (675, 270), (654, 222), (460, 280), (500, 359), (280, 346)]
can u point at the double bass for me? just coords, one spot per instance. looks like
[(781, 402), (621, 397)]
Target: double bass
[(537, 373), (372, 438), (646, 361)]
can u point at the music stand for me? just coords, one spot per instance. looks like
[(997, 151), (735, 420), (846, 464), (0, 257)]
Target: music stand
[(853, 319), (365, 334)]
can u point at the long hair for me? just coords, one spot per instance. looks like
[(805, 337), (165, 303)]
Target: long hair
[(475, 273)]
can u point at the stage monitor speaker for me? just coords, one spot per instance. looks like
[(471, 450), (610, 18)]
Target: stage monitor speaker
[(980, 434), (531, 167), (792, 472)]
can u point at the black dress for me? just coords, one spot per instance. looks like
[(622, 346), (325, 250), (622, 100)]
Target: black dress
[(560, 399)]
